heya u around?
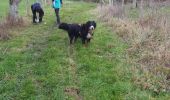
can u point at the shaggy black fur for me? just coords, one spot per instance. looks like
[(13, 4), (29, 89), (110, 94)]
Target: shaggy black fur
[(72, 29), (84, 31)]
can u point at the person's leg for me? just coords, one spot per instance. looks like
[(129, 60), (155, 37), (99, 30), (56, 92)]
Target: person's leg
[(40, 18), (57, 15), (41, 14), (34, 14), (34, 17)]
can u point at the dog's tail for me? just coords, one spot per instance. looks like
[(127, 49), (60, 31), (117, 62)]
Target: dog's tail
[(64, 26)]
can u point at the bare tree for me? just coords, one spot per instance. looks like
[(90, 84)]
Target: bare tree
[(111, 2), (151, 3), (27, 5), (13, 5), (45, 2), (141, 9), (123, 3), (134, 3), (123, 8), (102, 2)]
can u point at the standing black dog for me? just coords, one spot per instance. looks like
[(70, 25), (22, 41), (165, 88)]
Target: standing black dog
[(84, 31), (36, 8)]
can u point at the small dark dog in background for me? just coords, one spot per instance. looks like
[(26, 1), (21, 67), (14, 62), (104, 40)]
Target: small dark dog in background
[(84, 31)]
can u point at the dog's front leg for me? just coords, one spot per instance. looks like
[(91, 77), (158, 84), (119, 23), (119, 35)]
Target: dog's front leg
[(88, 40), (84, 42), (75, 39)]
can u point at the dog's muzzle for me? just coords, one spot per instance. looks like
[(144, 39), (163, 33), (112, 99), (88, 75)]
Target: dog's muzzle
[(91, 28), (90, 32)]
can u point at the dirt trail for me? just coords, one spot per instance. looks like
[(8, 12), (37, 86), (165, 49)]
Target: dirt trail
[(73, 90)]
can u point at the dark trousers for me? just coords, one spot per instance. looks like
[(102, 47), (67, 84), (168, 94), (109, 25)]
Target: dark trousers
[(57, 15), (41, 14), (34, 15)]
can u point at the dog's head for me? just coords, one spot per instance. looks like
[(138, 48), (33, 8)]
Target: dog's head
[(64, 26), (91, 25)]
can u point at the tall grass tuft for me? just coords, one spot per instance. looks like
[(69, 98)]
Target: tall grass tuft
[(8, 24)]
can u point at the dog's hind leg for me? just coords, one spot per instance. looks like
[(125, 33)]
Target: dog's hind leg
[(75, 39), (83, 41), (71, 39)]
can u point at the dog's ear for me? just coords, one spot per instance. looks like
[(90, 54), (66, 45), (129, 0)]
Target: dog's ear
[(88, 23), (84, 27)]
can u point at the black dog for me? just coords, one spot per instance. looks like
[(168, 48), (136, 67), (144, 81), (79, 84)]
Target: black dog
[(84, 31), (36, 7)]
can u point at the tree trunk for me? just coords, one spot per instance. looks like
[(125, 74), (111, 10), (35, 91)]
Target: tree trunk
[(110, 2), (102, 2), (123, 3), (134, 3), (123, 8), (141, 9), (27, 7), (151, 3), (13, 8), (45, 2)]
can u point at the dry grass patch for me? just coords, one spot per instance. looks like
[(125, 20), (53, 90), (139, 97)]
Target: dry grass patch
[(10, 23), (149, 45)]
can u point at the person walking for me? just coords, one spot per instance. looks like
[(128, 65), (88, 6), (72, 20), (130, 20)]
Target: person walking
[(56, 4)]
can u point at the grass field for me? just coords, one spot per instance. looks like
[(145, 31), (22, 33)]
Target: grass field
[(38, 62)]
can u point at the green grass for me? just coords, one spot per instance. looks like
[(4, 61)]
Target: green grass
[(4, 8), (38, 62)]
